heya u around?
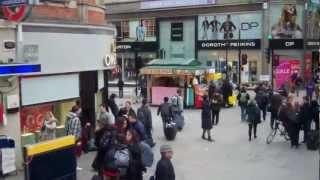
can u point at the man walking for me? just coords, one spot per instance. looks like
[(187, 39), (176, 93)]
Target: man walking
[(165, 169), (165, 111), (144, 116)]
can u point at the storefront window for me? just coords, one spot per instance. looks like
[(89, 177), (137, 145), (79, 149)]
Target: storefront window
[(125, 29), (150, 26)]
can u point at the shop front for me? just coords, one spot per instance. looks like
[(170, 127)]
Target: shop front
[(223, 41), (136, 45), (287, 43), (166, 76)]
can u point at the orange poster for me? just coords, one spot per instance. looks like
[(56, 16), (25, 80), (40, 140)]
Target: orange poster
[(32, 117)]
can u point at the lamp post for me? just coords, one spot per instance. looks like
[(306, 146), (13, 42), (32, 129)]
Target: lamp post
[(239, 57)]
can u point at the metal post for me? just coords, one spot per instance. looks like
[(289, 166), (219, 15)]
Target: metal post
[(272, 69), (122, 67), (227, 48), (240, 63)]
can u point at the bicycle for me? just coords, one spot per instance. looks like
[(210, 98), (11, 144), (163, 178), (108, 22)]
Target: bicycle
[(282, 130)]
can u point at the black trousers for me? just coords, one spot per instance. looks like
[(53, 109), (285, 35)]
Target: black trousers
[(273, 118), (264, 112), (294, 131), (215, 117), (253, 127)]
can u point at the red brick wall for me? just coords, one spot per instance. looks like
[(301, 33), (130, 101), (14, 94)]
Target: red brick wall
[(96, 17), (53, 12)]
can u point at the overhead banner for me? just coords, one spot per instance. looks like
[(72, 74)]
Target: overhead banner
[(226, 26)]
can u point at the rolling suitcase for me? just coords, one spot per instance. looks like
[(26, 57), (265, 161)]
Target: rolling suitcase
[(170, 131), (179, 120)]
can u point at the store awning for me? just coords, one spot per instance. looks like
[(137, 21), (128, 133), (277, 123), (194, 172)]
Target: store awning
[(174, 66)]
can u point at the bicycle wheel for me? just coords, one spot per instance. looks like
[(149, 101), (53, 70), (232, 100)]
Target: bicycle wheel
[(271, 136)]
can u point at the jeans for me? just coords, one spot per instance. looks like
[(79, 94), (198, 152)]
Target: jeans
[(264, 112), (294, 131), (243, 112)]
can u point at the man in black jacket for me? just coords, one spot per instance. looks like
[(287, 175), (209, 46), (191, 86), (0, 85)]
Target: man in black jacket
[(165, 111), (113, 105), (165, 170)]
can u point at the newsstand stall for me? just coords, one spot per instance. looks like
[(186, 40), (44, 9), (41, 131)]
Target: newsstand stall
[(166, 76)]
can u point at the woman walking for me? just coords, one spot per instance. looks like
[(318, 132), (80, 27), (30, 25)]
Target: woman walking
[(254, 118), (206, 122), (216, 103)]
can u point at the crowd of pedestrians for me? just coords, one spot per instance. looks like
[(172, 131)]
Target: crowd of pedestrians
[(123, 137)]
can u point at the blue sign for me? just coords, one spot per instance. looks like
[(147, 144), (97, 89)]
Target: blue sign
[(19, 69), (12, 2)]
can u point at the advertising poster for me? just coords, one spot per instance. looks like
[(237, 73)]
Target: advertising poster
[(313, 20), (308, 67), (142, 30), (32, 117), (284, 71), (226, 26), (286, 21)]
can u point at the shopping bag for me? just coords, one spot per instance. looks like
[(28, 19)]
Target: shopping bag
[(232, 100)]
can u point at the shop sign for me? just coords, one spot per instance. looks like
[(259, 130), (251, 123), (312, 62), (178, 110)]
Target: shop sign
[(313, 44), (230, 44), (151, 4), (177, 31), (14, 10), (109, 60), (136, 46), (286, 44)]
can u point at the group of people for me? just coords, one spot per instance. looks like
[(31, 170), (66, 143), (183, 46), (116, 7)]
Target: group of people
[(123, 138), (293, 115)]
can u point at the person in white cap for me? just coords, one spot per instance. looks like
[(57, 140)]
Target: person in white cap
[(165, 170)]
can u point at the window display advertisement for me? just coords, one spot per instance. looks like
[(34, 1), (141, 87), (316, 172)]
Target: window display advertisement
[(286, 21), (32, 117), (141, 30), (284, 71), (226, 26), (313, 25)]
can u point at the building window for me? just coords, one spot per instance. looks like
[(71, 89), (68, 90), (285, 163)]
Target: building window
[(150, 25), (125, 29)]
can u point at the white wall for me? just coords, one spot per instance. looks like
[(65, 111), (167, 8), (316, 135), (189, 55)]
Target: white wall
[(66, 52), (6, 34)]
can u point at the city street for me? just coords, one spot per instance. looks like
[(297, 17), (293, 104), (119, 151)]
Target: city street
[(230, 157)]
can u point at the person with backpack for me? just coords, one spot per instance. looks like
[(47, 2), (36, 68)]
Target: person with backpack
[(136, 168), (243, 98), (165, 169), (216, 104), (165, 111), (137, 126), (177, 110), (254, 118), (206, 121), (144, 116), (262, 101)]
